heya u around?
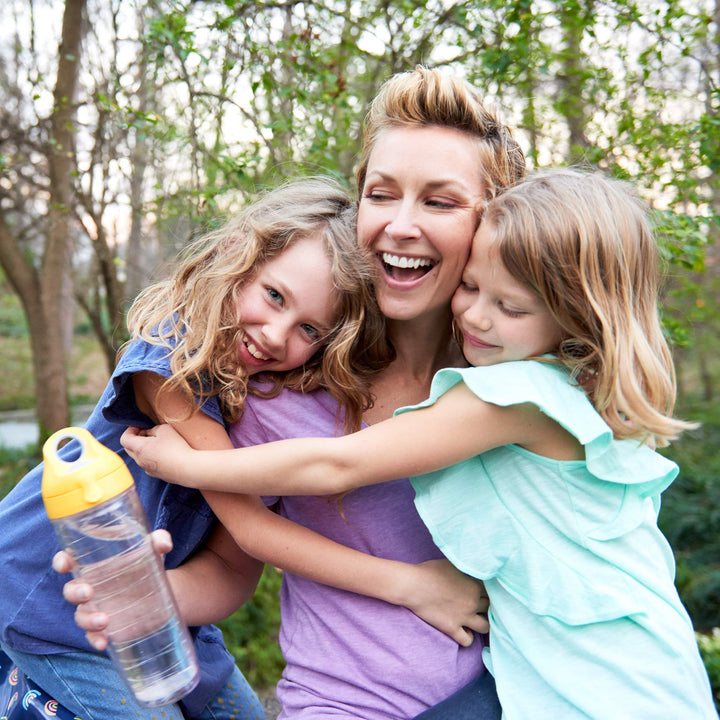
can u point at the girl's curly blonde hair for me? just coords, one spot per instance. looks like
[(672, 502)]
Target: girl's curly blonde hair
[(193, 312)]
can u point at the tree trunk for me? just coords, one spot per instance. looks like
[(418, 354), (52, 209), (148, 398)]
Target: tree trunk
[(44, 292)]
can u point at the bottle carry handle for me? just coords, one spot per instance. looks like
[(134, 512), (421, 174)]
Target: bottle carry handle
[(92, 492), (71, 486)]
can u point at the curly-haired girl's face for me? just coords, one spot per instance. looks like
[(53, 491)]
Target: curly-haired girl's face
[(286, 311)]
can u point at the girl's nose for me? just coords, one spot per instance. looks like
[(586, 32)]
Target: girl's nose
[(478, 316), (403, 226), (275, 334)]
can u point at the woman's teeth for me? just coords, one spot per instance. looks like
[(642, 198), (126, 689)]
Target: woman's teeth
[(405, 262)]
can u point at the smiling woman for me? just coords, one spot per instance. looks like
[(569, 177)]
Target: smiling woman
[(385, 629)]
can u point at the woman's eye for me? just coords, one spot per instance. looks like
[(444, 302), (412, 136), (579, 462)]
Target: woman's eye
[(274, 295), (441, 204), (377, 195)]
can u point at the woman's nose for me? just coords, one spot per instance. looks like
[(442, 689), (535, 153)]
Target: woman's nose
[(403, 225)]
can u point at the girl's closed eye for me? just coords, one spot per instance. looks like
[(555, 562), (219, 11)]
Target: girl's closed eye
[(509, 311)]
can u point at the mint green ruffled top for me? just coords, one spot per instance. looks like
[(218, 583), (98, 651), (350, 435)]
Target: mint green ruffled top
[(585, 618)]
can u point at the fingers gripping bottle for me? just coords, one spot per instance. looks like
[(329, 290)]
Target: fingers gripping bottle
[(90, 498)]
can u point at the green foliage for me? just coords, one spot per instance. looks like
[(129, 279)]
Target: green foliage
[(12, 319), (690, 518), (14, 464), (710, 651), (251, 634)]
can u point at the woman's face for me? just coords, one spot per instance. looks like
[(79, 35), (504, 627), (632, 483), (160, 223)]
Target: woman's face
[(287, 310), (418, 213)]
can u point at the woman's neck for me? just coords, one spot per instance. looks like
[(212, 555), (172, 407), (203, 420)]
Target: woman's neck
[(422, 348)]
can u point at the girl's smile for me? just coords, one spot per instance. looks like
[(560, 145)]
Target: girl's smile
[(286, 311), (500, 318)]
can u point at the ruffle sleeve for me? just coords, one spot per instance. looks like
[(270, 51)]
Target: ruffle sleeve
[(119, 404), (551, 389), (540, 526)]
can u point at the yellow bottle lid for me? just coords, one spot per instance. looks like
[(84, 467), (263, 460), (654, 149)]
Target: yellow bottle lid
[(97, 474)]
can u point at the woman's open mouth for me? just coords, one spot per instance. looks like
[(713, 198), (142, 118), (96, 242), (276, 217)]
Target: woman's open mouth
[(404, 268)]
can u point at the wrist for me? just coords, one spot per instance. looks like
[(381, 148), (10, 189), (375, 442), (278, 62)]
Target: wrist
[(399, 585)]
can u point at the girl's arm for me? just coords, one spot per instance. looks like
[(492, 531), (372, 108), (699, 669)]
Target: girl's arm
[(435, 591), (458, 426)]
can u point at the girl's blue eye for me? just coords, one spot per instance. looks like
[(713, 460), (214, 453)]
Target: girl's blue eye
[(312, 332), (274, 295)]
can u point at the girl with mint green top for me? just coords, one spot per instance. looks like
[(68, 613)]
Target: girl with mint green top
[(534, 470)]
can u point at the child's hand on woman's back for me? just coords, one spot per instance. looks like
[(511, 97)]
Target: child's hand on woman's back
[(447, 599)]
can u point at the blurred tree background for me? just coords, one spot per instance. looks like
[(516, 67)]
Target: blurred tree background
[(128, 126)]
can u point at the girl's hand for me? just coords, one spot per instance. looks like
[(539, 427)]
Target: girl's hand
[(161, 451), (448, 599), (79, 592)]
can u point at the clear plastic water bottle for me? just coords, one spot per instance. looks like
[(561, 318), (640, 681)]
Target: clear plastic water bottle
[(90, 497)]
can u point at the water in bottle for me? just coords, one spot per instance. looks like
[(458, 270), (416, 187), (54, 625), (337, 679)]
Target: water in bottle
[(90, 498)]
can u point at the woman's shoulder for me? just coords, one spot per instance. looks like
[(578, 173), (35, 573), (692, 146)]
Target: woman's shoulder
[(289, 414)]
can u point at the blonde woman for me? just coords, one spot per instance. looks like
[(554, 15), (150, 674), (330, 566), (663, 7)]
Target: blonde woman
[(387, 628)]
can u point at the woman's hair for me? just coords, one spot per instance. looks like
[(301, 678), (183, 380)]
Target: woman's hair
[(583, 243), (194, 312), (430, 97)]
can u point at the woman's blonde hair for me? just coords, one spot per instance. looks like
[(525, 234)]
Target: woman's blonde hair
[(584, 244), (194, 314), (430, 97)]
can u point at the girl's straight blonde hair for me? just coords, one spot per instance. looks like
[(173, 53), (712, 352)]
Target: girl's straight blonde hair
[(430, 97), (584, 244), (193, 313)]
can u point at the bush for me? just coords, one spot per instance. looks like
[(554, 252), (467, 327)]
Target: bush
[(710, 651), (690, 519), (251, 634)]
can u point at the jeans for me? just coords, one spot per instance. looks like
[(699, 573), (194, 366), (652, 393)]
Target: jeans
[(89, 686), (476, 701)]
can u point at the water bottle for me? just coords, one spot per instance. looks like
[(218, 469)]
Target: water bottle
[(92, 504)]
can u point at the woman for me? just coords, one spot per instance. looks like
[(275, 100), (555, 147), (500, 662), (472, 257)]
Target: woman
[(433, 155)]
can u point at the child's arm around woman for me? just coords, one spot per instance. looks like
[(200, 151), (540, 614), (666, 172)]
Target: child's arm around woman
[(409, 444)]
